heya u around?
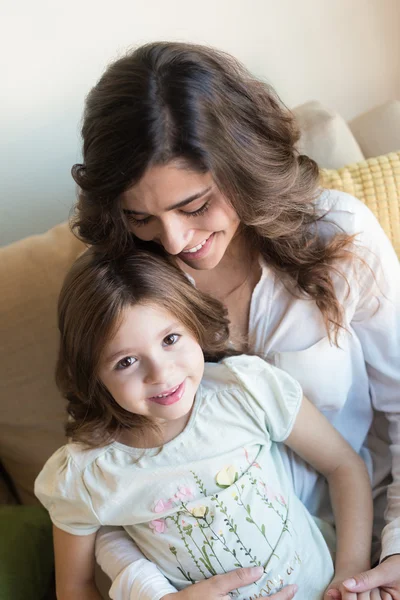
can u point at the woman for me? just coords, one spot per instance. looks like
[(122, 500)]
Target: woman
[(182, 147)]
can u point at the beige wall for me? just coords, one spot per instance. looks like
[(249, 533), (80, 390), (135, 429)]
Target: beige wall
[(345, 53)]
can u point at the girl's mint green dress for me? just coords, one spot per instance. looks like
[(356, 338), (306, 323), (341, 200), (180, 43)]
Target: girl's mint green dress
[(215, 498)]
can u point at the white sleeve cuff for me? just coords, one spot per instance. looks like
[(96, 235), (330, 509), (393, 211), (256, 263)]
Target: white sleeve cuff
[(391, 539), (152, 585)]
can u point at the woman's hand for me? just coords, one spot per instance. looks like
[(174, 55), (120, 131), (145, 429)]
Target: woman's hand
[(385, 576), (219, 586), (336, 591), (380, 583)]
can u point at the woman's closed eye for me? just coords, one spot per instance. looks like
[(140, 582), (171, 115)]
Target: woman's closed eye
[(199, 211), (125, 362), (195, 213)]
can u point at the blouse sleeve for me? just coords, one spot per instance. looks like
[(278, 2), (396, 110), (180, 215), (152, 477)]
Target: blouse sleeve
[(272, 395), (133, 576), (61, 489), (376, 321)]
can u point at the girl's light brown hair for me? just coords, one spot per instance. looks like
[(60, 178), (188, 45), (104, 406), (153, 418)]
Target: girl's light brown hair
[(94, 294), (169, 101)]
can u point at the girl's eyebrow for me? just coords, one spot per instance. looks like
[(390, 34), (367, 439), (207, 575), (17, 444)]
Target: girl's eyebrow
[(178, 205), (122, 352)]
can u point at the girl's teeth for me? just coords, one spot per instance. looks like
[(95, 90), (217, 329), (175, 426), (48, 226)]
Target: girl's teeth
[(169, 394), (196, 248)]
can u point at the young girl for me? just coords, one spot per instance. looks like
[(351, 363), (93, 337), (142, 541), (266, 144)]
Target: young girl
[(184, 455)]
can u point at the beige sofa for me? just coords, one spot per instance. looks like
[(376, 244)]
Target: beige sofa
[(31, 272)]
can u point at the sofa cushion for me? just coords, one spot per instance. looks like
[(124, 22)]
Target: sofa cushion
[(32, 412), (325, 136), (378, 130), (376, 182), (26, 553)]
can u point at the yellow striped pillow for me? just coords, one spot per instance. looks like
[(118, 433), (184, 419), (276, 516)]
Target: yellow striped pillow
[(375, 181)]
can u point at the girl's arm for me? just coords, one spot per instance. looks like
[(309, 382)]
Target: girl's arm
[(74, 557), (318, 443)]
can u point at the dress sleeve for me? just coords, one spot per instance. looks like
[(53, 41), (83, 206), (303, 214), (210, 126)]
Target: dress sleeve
[(61, 489), (376, 321), (272, 395)]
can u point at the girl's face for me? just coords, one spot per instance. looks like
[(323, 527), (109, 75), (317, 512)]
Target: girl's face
[(153, 366), (184, 212)]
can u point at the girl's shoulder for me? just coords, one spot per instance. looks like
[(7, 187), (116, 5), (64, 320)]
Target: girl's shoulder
[(81, 456), (73, 459), (247, 385)]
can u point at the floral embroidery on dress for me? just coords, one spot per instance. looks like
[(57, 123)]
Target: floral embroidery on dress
[(203, 540), (252, 464), (226, 477), (158, 526), (183, 493), (162, 505)]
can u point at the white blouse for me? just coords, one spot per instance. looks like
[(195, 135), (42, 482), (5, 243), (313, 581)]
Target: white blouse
[(354, 385)]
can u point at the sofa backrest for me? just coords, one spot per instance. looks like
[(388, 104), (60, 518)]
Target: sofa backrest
[(32, 412)]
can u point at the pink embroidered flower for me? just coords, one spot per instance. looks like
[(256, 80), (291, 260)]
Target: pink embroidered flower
[(184, 493), (158, 526), (162, 505), (252, 464), (269, 492), (281, 499)]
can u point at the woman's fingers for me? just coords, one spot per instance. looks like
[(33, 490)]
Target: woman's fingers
[(223, 584), (387, 574), (286, 593), (219, 586), (373, 595), (385, 596)]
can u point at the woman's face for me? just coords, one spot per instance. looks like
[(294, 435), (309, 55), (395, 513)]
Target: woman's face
[(184, 212)]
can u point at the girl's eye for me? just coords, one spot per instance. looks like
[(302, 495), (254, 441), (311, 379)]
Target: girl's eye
[(137, 222), (125, 362), (199, 211), (171, 339)]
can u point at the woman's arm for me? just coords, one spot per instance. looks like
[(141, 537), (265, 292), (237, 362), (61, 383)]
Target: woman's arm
[(376, 322), (74, 556), (318, 443), (133, 576)]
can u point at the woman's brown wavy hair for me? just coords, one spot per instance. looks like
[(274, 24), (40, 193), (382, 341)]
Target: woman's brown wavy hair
[(169, 101), (95, 292)]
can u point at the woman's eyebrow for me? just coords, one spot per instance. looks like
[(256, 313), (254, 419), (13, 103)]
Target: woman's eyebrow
[(178, 205)]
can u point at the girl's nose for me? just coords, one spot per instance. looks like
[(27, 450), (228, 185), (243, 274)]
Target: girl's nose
[(158, 372)]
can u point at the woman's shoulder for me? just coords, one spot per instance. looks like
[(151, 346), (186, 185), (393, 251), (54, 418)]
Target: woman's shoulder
[(345, 211)]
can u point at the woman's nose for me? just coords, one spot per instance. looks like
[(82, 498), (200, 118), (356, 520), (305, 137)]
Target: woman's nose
[(174, 236)]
